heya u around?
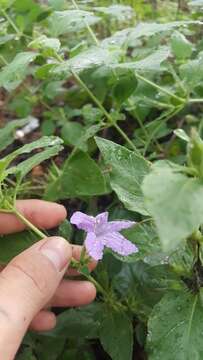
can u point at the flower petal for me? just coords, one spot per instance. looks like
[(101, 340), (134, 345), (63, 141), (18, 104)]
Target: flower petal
[(101, 223), (113, 226), (94, 246), (119, 244), (102, 218), (83, 221)]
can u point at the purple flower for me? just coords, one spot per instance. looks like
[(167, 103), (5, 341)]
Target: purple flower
[(103, 233)]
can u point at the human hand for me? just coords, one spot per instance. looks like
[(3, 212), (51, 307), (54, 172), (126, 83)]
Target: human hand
[(32, 282)]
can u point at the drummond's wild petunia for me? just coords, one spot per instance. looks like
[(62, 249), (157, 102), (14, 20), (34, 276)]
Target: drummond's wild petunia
[(102, 233)]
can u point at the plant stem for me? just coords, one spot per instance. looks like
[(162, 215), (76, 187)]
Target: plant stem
[(28, 223), (92, 34), (195, 101), (106, 114), (8, 18), (160, 88)]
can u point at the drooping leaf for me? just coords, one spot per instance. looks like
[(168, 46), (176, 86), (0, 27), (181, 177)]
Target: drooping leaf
[(80, 176), (127, 170), (175, 202), (62, 22), (14, 73), (116, 335), (177, 319)]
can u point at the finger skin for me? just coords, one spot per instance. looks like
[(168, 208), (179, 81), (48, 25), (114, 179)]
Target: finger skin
[(44, 321), (74, 293), (43, 214), (27, 283)]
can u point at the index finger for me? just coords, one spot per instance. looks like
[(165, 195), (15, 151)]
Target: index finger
[(42, 214)]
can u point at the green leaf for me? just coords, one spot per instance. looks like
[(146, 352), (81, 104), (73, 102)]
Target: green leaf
[(181, 47), (62, 22), (50, 45), (48, 348), (56, 4), (13, 244), (40, 143), (192, 71), (27, 354), (80, 176), (144, 29), (77, 135), (117, 11), (81, 323), (5, 38), (182, 135), (124, 88), (14, 73), (165, 190), (88, 59), (145, 284), (71, 133), (65, 229), (127, 170), (150, 63), (7, 134), (175, 328), (116, 335), (26, 166), (149, 29), (145, 237), (43, 142)]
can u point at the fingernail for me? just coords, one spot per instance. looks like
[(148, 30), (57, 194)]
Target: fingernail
[(57, 250)]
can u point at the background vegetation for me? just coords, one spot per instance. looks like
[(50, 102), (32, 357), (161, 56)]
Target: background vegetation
[(121, 83)]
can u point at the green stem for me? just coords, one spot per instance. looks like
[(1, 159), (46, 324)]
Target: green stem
[(92, 34), (165, 119), (195, 101), (76, 265), (97, 285), (28, 223), (101, 107), (106, 114), (8, 18), (160, 88)]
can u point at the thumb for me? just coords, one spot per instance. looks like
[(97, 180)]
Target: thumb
[(26, 285)]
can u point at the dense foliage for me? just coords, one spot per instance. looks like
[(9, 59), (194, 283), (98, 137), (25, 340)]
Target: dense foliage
[(101, 109)]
